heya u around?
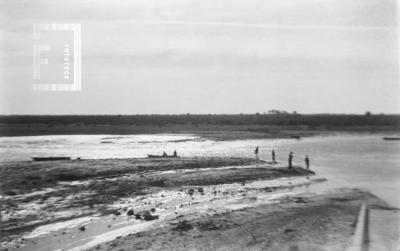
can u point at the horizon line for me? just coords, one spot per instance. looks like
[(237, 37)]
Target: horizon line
[(200, 114)]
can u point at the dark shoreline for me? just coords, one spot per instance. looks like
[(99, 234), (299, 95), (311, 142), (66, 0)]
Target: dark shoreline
[(218, 126), (218, 133)]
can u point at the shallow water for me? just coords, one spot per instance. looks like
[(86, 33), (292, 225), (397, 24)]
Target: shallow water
[(364, 161)]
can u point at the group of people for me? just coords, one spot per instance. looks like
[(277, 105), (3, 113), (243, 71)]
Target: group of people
[(174, 155), (290, 158)]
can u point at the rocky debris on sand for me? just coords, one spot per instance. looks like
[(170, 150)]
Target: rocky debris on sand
[(200, 190), (147, 216), (207, 225), (268, 189), (299, 200), (191, 191), (183, 226), (289, 230), (83, 228), (130, 212)]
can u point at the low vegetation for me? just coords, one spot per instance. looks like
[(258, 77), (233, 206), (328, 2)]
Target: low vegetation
[(134, 124)]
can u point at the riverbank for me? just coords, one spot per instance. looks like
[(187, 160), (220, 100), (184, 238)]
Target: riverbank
[(301, 222), (41, 193), (81, 204), (173, 204)]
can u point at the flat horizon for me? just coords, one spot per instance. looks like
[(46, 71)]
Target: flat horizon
[(186, 114)]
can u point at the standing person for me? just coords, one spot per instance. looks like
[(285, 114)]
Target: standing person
[(256, 152), (273, 156), (290, 160), (175, 154), (307, 160)]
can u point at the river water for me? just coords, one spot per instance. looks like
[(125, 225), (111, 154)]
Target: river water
[(353, 160)]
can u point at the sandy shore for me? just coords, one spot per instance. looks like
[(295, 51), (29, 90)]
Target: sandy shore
[(301, 222), (40, 193), (172, 203)]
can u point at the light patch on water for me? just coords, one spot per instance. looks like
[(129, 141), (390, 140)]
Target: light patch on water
[(207, 169), (35, 193), (258, 200), (111, 235), (23, 148), (46, 229), (75, 183)]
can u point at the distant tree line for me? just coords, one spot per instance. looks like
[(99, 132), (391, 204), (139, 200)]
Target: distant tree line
[(211, 119)]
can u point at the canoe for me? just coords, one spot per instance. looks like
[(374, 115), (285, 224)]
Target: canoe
[(50, 158), (161, 156), (391, 138)]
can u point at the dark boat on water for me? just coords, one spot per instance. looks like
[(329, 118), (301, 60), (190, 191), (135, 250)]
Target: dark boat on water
[(50, 158), (391, 138), (162, 156)]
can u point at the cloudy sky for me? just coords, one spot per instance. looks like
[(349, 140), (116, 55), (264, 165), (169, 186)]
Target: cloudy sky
[(203, 56)]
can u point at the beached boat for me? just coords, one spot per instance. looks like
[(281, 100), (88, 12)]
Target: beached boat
[(391, 138), (50, 158), (162, 156)]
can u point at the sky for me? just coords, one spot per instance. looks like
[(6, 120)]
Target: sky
[(203, 56)]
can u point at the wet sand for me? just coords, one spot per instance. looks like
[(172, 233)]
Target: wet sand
[(42, 193), (172, 204), (300, 222)]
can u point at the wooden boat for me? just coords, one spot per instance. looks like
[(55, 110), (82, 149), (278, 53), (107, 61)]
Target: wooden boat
[(162, 156), (50, 158), (391, 138)]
